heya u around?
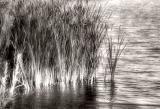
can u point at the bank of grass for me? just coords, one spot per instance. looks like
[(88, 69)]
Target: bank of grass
[(54, 42)]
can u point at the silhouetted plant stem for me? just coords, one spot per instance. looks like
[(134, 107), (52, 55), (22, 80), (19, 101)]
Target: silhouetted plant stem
[(114, 52)]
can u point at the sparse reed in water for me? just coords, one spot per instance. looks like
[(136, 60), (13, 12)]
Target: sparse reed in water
[(114, 51)]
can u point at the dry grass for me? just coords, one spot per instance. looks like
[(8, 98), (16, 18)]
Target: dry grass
[(53, 42)]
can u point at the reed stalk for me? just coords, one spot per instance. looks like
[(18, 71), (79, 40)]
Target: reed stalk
[(114, 51)]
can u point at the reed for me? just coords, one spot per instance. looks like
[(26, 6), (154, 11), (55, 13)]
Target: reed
[(114, 51), (5, 96), (53, 42)]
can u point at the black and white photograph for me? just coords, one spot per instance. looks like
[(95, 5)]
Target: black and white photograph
[(79, 54)]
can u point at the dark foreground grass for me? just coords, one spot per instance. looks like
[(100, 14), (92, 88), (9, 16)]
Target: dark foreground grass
[(44, 43), (49, 43)]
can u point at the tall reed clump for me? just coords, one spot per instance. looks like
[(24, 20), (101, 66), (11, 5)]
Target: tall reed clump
[(54, 42), (115, 47)]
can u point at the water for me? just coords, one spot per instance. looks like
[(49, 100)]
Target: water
[(137, 81)]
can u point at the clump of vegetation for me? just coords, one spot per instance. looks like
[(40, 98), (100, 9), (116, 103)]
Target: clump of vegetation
[(51, 42), (114, 50)]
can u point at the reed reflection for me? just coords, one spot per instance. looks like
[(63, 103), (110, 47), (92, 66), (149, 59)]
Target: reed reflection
[(112, 94), (57, 97)]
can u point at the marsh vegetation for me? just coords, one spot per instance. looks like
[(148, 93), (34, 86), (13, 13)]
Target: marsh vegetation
[(45, 43)]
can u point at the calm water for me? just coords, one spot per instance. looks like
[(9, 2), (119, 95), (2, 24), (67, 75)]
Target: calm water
[(137, 84)]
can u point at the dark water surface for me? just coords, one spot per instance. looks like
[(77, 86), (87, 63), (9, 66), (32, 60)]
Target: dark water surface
[(137, 83)]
